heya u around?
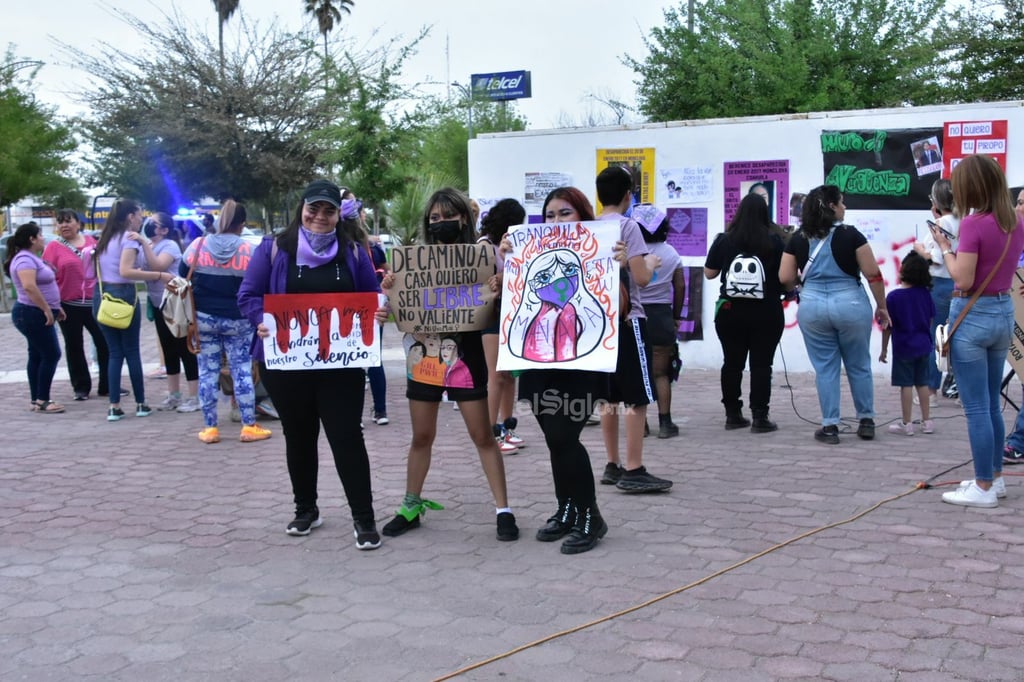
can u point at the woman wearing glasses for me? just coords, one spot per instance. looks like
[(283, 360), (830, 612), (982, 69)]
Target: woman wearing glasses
[(162, 253)]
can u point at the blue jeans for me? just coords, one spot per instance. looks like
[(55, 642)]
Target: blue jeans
[(378, 384), (43, 349), (122, 345), (836, 326), (942, 294), (978, 353)]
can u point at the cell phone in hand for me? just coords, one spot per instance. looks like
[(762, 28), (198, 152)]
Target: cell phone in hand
[(935, 226)]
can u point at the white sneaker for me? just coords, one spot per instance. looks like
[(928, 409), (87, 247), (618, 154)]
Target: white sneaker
[(972, 496), (189, 405), (506, 448), (170, 403), (999, 485), (927, 426), (899, 427), (512, 439), (933, 400)]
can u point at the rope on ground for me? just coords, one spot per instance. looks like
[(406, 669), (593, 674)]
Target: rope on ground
[(684, 588)]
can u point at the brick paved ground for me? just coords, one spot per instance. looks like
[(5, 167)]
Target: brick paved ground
[(130, 551)]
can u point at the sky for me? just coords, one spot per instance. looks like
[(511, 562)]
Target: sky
[(573, 48)]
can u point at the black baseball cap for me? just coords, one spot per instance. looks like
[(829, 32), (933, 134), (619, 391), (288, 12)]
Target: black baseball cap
[(322, 190)]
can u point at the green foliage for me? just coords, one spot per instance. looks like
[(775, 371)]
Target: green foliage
[(169, 129), (327, 15), (754, 57), (406, 210), (986, 43), (224, 9), (34, 144)]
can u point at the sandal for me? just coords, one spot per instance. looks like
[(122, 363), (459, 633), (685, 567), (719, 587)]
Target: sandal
[(49, 407)]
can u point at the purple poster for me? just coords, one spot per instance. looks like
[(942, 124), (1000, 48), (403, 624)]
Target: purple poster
[(770, 179), (688, 230), (691, 327)]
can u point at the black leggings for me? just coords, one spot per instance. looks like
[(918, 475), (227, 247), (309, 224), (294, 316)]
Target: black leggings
[(748, 329), (79, 320), (570, 463), (176, 352), (333, 397)]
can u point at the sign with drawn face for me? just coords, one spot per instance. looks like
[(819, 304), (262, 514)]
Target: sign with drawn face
[(321, 331), (560, 297)]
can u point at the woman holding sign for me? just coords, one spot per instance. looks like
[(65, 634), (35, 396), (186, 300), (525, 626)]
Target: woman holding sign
[(448, 220), (314, 256)]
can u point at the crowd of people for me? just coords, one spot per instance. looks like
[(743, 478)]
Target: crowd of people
[(962, 271)]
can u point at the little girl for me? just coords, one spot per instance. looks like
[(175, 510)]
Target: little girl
[(911, 310)]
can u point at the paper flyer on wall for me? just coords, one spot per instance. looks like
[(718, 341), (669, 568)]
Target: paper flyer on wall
[(685, 185), (767, 178), (640, 164), (538, 185)]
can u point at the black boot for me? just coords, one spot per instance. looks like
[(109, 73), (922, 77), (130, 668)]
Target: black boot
[(734, 419), (560, 524), (761, 423), (589, 528)]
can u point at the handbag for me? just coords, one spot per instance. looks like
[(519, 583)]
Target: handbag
[(183, 315), (944, 332), (113, 312)]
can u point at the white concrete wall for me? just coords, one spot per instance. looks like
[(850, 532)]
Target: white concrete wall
[(498, 162)]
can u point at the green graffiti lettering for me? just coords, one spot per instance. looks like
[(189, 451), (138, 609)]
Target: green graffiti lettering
[(867, 181), (852, 142)]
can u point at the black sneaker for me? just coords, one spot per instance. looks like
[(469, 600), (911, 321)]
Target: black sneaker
[(366, 534), (399, 525), (560, 524), (866, 430), (612, 473), (115, 414), (81, 396), (507, 528), (668, 430), (1012, 455), (827, 434), (305, 521), (639, 481), (589, 528)]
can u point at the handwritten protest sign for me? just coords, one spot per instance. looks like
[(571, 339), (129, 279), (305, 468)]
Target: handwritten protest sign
[(560, 298), (321, 331), (1016, 353), (443, 287)]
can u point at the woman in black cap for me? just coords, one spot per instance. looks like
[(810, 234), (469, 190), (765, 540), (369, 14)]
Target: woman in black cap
[(314, 256)]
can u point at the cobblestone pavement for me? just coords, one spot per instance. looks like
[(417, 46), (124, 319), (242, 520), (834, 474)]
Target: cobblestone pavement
[(131, 551)]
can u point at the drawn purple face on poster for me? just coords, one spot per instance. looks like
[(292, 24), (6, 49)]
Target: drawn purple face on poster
[(557, 284)]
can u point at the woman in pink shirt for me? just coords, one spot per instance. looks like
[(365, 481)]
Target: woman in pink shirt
[(990, 243), (65, 254)]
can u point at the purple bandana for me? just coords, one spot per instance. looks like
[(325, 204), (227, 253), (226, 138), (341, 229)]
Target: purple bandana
[(316, 248)]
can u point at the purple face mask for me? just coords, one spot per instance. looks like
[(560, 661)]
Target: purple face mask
[(558, 292)]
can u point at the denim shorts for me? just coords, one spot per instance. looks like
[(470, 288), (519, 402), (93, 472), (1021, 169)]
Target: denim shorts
[(912, 372)]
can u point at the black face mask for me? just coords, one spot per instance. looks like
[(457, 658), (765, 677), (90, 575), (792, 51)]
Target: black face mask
[(445, 231)]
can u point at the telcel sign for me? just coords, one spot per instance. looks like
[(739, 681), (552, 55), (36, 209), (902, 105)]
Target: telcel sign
[(501, 86)]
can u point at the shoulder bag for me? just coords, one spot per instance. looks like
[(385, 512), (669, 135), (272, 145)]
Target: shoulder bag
[(113, 312), (944, 332)]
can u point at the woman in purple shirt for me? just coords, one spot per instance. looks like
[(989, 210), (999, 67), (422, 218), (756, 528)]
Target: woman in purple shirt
[(35, 311)]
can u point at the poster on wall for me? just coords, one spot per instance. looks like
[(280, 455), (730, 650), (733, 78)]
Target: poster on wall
[(770, 179), (684, 185), (537, 186), (1016, 354), (640, 164), (691, 327), (442, 288), (485, 205), (688, 230), (883, 169), (974, 137), (560, 298), (321, 331)]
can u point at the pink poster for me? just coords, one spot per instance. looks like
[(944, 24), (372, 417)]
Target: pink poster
[(770, 179), (688, 230)]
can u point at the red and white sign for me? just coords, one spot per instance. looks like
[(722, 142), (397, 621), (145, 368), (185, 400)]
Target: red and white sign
[(973, 137)]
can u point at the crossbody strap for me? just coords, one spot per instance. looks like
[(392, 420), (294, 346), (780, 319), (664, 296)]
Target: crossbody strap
[(195, 259), (978, 290), (810, 259)]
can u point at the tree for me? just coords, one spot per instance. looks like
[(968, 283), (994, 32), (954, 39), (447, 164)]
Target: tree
[(168, 129), (225, 8), (34, 144), (327, 15), (750, 57), (986, 51)]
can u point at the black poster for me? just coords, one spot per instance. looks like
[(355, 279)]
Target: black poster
[(883, 169)]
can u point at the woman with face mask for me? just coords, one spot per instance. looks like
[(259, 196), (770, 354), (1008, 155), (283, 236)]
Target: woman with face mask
[(448, 220)]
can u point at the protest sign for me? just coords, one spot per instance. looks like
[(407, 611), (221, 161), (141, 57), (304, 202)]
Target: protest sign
[(443, 288), (560, 298), (321, 331), (1016, 355)]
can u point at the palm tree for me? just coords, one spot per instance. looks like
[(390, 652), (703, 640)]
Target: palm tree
[(225, 8), (327, 14)]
